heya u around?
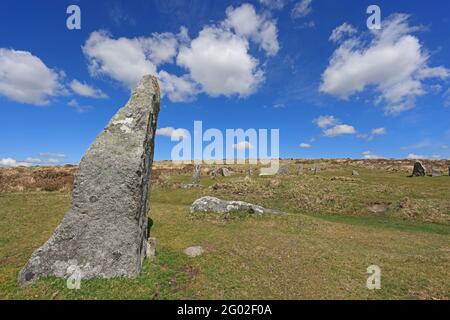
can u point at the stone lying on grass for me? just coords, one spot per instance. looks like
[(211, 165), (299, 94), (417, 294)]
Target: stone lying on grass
[(215, 205), (193, 252)]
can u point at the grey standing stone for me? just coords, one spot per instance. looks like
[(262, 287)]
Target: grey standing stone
[(151, 248), (316, 170), (249, 172), (355, 173), (300, 170), (419, 170), (213, 173), (104, 233), (449, 170), (436, 172), (224, 172), (197, 174), (283, 170)]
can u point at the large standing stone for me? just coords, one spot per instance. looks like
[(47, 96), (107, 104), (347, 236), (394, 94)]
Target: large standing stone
[(104, 233), (419, 170)]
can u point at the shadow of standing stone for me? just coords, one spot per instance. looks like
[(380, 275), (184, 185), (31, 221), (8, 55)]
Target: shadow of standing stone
[(104, 233)]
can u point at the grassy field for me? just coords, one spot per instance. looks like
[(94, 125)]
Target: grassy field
[(320, 249)]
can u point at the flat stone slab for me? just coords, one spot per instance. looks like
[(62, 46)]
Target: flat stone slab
[(104, 233), (215, 205)]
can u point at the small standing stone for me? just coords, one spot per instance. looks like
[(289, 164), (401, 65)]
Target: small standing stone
[(316, 170), (195, 251), (224, 172), (355, 173), (436, 172), (249, 173), (213, 173), (300, 170), (197, 174), (283, 169), (419, 170), (151, 248)]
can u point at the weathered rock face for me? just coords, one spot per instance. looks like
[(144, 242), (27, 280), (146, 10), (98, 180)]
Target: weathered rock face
[(224, 172), (215, 205), (104, 233), (419, 170), (436, 172)]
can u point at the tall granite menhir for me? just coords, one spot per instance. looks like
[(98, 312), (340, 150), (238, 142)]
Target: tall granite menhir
[(104, 233)]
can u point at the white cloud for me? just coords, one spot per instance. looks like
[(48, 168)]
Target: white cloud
[(28, 162), (243, 145), (371, 155), (273, 4), (325, 121), (305, 145), (219, 61), (338, 130), (413, 156), (122, 59), (379, 131), (394, 62), (259, 28), (25, 78), (341, 31), (77, 107), (172, 133), (302, 9), (86, 90)]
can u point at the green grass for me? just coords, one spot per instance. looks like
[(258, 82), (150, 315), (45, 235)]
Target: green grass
[(319, 250)]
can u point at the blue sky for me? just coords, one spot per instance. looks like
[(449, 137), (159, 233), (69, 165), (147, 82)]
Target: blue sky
[(310, 68)]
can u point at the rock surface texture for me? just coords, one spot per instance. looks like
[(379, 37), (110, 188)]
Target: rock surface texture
[(215, 205), (104, 233), (419, 170)]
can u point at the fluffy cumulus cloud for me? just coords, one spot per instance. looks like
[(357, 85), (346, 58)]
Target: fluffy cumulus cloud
[(86, 90), (172, 133), (302, 9), (325, 121), (332, 127), (218, 61), (394, 62), (25, 78), (123, 59), (338, 130)]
